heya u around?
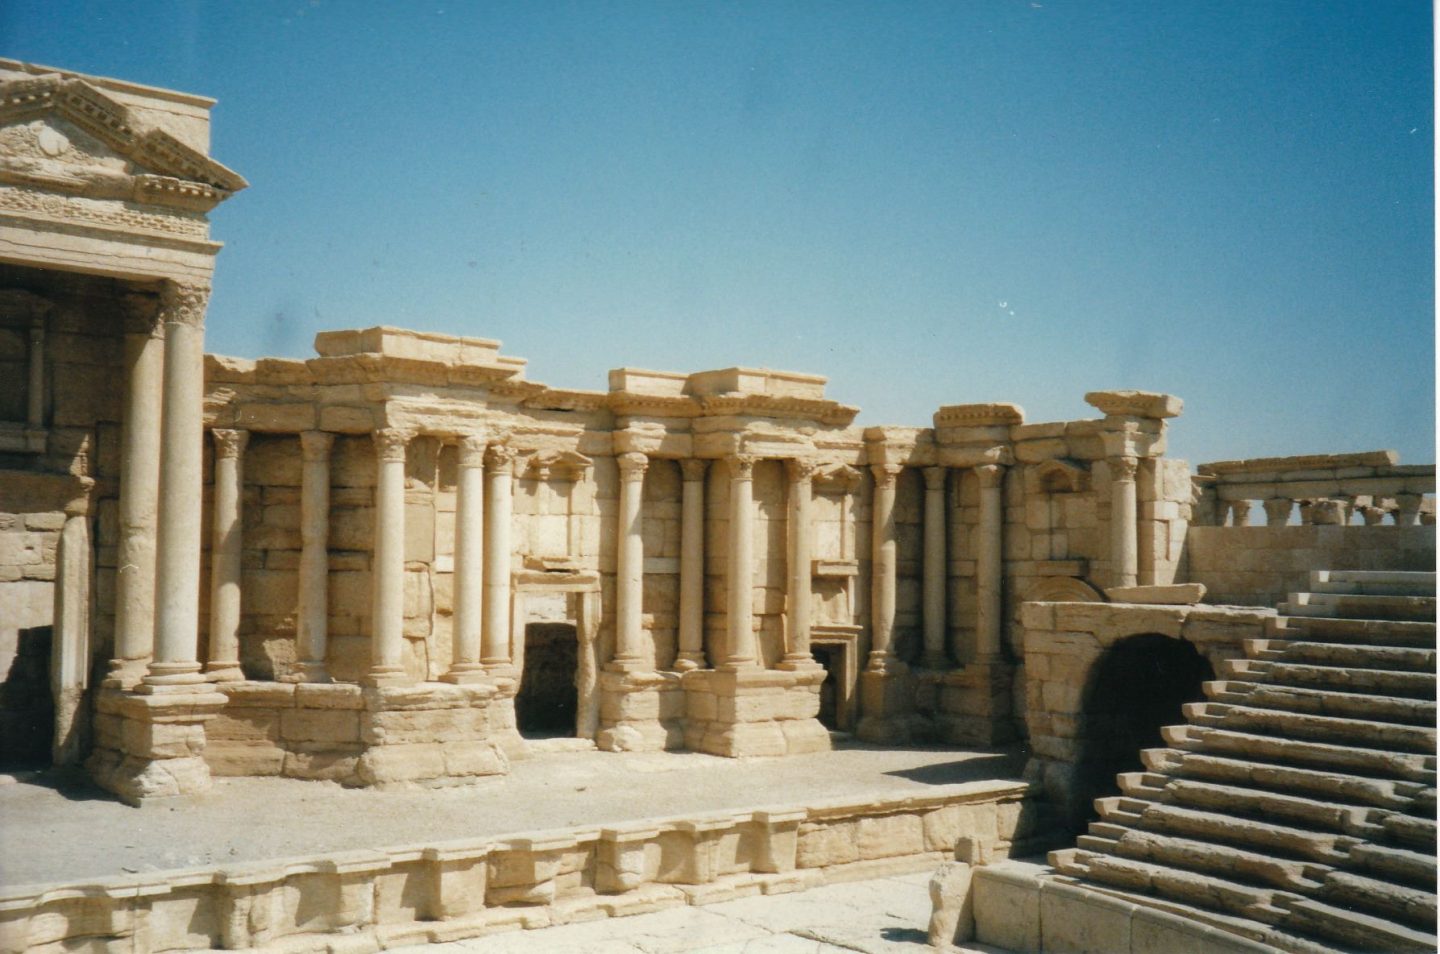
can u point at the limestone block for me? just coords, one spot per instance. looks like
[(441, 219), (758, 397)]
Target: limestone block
[(162, 740), (474, 758), (352, 528), (312, 695), (1034, 451), (1076, 919), (292, 417), (890, 835), (1006, 903), (242, 724), (805, 735), (421, 725), (320, 725), (821, 845), (341, 419), (391, 764), (244, 758), (336, 762), (952, 917)]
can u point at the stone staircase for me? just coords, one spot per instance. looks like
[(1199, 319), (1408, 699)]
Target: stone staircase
[(1297, 804)]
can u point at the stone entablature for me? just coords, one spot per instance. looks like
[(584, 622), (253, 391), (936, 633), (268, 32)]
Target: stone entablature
[(1329, 489)]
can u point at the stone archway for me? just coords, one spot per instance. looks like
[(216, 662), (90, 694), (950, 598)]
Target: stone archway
[(1136, 687)]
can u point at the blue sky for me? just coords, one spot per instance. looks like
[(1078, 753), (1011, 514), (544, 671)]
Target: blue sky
[(930, 203)]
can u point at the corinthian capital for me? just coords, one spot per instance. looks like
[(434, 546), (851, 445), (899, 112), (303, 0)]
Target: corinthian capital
[(632, 465), (801, 469), (184, 303), (500, 458), (742, 466), (390, 443), (886, 474), (229, 443), (1124, 468), (472, 450)]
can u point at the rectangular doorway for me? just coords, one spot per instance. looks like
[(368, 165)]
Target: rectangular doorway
[(546, 704)]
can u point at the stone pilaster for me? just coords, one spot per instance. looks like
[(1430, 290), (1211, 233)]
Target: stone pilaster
[(692, 565), (177, 556), (139, 501), (798, 596), (933, 582), (499, 498), (312, 636), (465, 665), (226, 544), (629, 565), (1124, 534), (741, 651), (387, 563)]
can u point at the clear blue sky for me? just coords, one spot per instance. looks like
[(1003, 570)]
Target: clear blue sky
[(930, 203)]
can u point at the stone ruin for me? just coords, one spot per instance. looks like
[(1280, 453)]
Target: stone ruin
[(401, 562)]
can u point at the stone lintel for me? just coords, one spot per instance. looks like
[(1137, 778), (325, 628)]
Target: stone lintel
[(965, 416), (1126, 403), (1379, 458)]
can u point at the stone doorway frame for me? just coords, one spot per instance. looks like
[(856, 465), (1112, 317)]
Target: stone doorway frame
[(846, 639), (581, 589)]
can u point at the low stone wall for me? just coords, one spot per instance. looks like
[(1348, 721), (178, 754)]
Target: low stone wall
[(1025, 907), (368, 900), (430, 734), (1260, 566), (1063, 643)]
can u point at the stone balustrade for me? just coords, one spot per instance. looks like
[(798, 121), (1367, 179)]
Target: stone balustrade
[(1368, 488)]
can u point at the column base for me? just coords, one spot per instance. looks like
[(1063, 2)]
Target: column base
[(753, 711), (380, 676), (798, 662), (686, 662), (174, 674), (887, 707), (466, 674), (640, 711), (151, 744), (308, 672), (125, 673), (224, 672)]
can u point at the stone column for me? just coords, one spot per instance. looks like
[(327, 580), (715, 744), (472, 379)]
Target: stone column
[(933, 583), (740, 622), (387, 562), (629, 564), (311, 636), (139, 496), (798, 596), (1124, 535), (177, 550), (692, 565), (70, 653), (989, 562), (1407, 509), (225, 551), (1277, 511), (465, 665), (882, 570), (499, 491)]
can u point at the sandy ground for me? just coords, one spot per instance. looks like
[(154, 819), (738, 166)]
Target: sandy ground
[(58, 828)]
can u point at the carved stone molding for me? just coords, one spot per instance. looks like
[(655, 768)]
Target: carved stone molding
[(800, 469), (390, 443), (1124, 468), (472, 450), (632, 465), (184, 303), (228, 443)]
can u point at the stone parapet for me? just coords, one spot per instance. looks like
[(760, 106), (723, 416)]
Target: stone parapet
[(367, 900)]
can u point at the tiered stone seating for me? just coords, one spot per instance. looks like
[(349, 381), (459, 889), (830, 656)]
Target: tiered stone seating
[(1301, 795)]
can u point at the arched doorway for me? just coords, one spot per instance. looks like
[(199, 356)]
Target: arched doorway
[(1137, 687)]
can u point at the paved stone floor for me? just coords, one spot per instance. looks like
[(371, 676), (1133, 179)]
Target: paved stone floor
[(58, 829), (880, 916)]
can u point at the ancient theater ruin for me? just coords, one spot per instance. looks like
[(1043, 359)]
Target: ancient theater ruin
[(401, 563)]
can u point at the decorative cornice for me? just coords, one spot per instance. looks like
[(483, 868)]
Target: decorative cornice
[(1148, 404), (979, 415)]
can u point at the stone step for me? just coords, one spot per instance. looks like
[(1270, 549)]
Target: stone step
[(1352, 606), (1388, 863), (1237, 864), (1353, 930), (1329, 785), (1206, 891), (1347, 889), (1319, 728), (1412, 685), (1384, 582), (1147, 785), (1351, 705), (1411, 830), (1411, 767), (1357, 821), (1328, 629), (1328, 848), (1393, 658)]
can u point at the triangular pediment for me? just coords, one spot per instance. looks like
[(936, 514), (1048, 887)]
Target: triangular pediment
[(65, 134)]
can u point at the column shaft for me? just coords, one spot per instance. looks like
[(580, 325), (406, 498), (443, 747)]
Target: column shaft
[(465, 665), (740, 623), (630, 564), (1124, 535), (313, 633), (225, 557), (35, 396), (177, 550), (70, 647), (883, 569), (499, 491), (933, 582), (798, 596), (387, 563), (139, 502), (989, 562), (692, 565)]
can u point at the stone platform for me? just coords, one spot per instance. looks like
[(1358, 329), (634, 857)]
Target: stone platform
[(569, 836)]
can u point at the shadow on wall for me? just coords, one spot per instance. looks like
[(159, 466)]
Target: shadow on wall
[(27, 710), (1137, 687)]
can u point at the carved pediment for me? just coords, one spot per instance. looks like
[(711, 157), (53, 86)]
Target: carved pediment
[(64, 135)]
